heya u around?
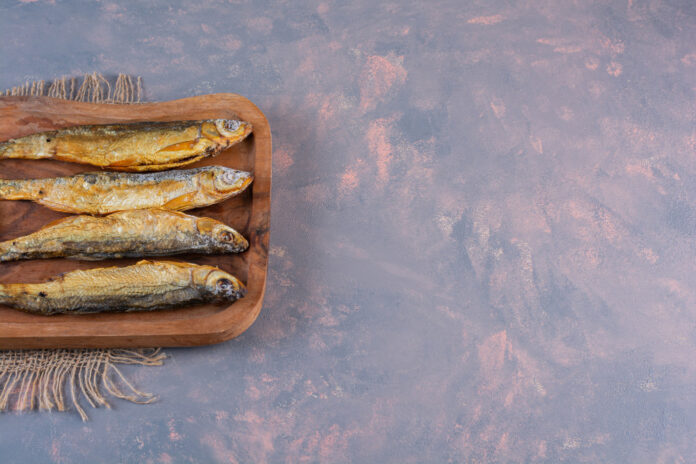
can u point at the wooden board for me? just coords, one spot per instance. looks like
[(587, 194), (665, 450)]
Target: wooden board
[(249, 213)]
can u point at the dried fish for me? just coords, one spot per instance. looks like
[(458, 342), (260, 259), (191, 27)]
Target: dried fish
[(125, 234), (108, 192), (145, 286), (141, 146)]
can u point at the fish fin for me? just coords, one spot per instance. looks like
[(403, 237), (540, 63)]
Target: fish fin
[(183, 162), (131, 164), (128, 162), (181, 202), (157, 167), (188, 145), (58, 221), (169, 211), (58, 207)]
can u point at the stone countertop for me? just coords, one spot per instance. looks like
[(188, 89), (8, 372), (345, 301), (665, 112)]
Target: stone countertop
[(483, 230)]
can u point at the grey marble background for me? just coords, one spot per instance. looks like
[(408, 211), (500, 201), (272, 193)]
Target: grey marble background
[(483, 230)]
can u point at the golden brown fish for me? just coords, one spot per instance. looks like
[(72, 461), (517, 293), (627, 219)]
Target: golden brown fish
[(145, 286), (108, 192), (142, 146), (126, 234)]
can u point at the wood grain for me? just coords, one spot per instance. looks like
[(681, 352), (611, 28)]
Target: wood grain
[(249, 213)]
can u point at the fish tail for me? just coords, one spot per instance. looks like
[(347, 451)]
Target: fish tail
[(11, 250), (13, 190), (5, 254), (5, 296), (5, 150)]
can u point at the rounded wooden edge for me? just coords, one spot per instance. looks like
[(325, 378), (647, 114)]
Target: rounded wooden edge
[(217, 335), (215, 328)]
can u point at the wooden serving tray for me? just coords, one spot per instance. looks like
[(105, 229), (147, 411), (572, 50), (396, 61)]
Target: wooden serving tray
[(249, 213)]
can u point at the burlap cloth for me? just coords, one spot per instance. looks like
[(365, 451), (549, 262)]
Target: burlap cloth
[(45, 380)]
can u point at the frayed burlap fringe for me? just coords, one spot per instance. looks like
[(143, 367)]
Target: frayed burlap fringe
[(93, 88), (55, 379), (38, 379)]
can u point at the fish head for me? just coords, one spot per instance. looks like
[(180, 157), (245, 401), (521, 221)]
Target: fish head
[(223, 237), (224, 286), (226, 180), (232, 130)]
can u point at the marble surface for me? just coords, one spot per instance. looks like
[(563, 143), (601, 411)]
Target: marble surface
[(483, 230)]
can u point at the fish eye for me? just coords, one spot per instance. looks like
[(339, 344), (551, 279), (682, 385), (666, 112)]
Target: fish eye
[(226, 236), (228, 289), (230, 177), (228, 127), (232, 124)]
